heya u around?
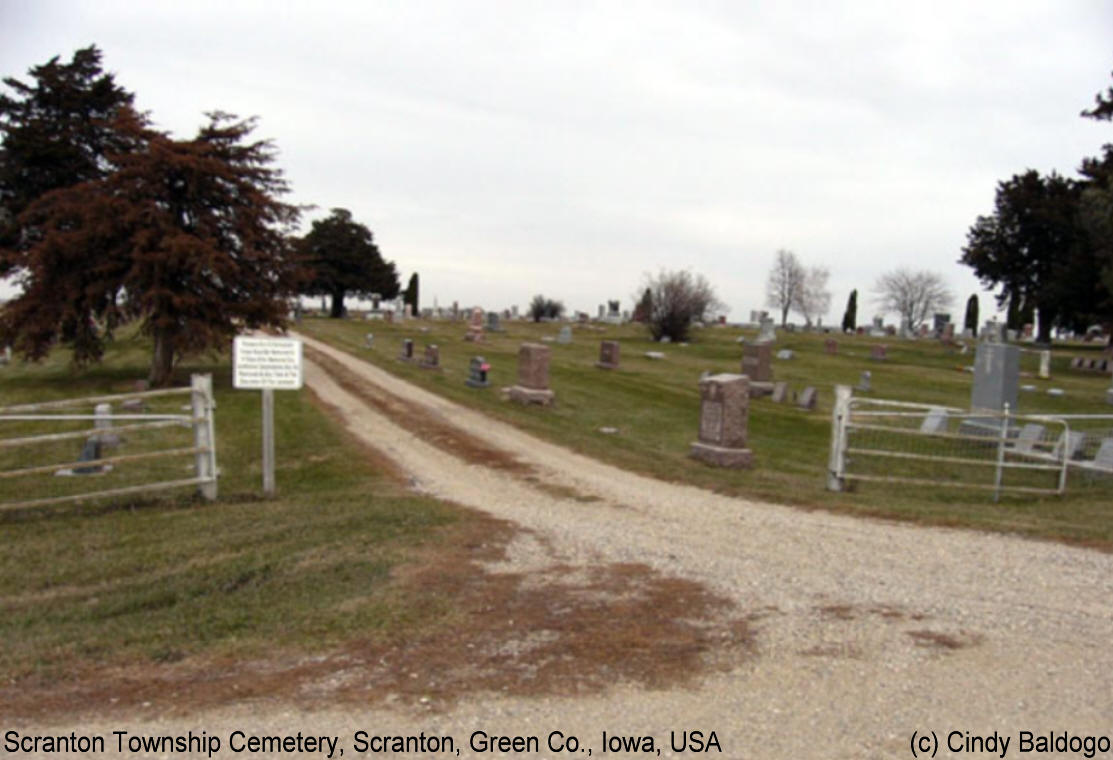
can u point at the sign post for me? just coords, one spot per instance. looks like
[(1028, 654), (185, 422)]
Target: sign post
[(267, 364)]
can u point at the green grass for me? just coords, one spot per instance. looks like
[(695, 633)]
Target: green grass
[(171, 577), (655, 406)]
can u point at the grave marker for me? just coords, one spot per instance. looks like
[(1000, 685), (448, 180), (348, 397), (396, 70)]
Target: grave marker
[(807, 399), (608, 355), (533, 376), (996, 374), (724, 421), (432, 358), (780, 391), (477, 373)]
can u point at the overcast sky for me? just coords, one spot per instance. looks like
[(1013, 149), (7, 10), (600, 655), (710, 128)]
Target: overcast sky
[(505, 149)]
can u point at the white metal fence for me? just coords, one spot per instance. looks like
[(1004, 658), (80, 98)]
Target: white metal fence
[(936, 446), (137, 449)]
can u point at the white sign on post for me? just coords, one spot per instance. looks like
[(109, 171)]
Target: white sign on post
[(267, 364)]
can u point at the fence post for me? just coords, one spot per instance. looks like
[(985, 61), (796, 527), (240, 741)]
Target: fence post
[(1002, 441), (204, 436), (836, 463)]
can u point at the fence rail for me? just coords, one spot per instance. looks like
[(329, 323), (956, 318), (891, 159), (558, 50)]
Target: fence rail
[(920, 444), (151, 438)]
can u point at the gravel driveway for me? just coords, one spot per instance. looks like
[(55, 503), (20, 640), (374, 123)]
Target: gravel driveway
[(865, 631)]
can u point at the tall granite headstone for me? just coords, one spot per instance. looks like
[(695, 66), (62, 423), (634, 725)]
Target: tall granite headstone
[(724, 421), (996, 376)]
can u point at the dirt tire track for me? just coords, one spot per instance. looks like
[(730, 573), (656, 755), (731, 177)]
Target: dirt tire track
[(865, 630)]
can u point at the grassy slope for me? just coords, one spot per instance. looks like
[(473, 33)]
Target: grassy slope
[(655, 405), (169, 577)]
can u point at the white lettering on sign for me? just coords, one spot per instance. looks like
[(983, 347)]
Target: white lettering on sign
[(266, 363)]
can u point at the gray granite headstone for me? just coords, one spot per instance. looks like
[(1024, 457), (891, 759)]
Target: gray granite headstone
[(935, 421), (807, 399), (996, 376), (780, 391), (565, 335)]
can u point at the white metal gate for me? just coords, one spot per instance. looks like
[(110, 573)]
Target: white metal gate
[(141, 434), (937, 446)]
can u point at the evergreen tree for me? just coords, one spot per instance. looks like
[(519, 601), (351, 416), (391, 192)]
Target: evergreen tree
[(411, 295), (343, 258), (56, 132), (187, 237), (971, 320), (850, 316)]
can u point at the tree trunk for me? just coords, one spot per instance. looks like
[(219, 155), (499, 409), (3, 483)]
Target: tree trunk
[(162, 361), (784, 317), (337, 310), (1043, 335)]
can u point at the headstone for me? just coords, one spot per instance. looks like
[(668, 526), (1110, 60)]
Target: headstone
[(1045, 365), (6, 356), (996, 376), (724, 421), (493, 321), (388, 317), (878, 351), (432, 358), (1011, 335), (807, 399), (409, 311), (654, 355), (1030, 434), (940, 322), (399, 309), (475, 326), (608, 355), (780, 391), (369, 339), (533, 376), (757, 362), (768, 332), (949, 331), (376, 300), (1104, 458), (786, 354), (407, 350), (602, 311), (665, 339), (864, 382), (1076, 362), (1070, 444), (90, 452), (103, 424), (564, 337), (477, 373), (831, 346), (935, 421)]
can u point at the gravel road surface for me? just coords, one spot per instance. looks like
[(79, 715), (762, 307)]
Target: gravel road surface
[(865, 631)]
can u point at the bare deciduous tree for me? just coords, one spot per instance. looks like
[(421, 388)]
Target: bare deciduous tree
[(678, 299), (813, 299), (913, 295), (786, 280)]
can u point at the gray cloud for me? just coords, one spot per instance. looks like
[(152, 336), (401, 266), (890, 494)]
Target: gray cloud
[(505, 149)]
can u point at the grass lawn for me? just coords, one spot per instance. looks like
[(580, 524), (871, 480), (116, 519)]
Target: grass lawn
[(168, 578), (655, 406)]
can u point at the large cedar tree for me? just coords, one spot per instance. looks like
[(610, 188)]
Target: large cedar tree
[(188, 237)]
